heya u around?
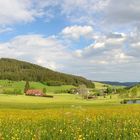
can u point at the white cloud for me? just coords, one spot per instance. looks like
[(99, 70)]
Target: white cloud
[(99, 45), (102, 45), (75, 32), (112, 55), (48, 52), (100, 61), (101, 13), (122, 11), (5, 30), (109, 56), (16, 11), (82, 11), (90, 12)]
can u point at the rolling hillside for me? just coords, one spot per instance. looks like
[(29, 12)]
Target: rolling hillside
[(135, 90), (16, 70)]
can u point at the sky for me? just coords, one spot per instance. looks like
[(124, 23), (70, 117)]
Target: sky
[(97, 39)]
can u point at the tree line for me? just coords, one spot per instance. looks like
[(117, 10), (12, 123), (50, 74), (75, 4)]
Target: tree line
[(16, 70)]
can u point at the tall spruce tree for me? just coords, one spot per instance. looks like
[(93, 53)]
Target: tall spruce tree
[(27, 86)]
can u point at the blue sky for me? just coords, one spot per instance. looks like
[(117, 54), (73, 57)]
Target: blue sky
[(97, 39)]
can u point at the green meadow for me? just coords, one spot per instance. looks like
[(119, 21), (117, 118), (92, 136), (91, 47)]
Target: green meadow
[(65, 116), (5, 84), (58, 101)]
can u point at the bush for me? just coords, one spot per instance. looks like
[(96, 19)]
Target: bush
[(44, 90), (53, 83), (73, 91), (12, 92), (62, 91)]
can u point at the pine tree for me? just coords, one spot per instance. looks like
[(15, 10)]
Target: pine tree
[(27, 86)]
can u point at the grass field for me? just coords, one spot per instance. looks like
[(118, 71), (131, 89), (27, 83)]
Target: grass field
[(67, 117), (99, 86), (59, 101), (34, 85)]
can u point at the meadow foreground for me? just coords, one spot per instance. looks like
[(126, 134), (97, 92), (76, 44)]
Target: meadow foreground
[(67, 117)]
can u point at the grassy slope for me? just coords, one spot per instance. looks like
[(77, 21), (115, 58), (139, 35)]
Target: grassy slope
[(134, 89), (16, 70), (99, 85), (37, 85)]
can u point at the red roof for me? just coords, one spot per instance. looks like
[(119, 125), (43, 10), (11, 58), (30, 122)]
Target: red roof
[(34, 92)]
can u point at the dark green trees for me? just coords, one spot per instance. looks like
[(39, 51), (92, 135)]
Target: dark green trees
[(15, 70), (27, 86)]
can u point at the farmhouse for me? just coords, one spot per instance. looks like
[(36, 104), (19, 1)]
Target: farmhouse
[(34, 92)]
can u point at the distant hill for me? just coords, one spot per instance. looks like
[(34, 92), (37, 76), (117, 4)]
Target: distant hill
[(16, 70), (128, 84), (134, 91)]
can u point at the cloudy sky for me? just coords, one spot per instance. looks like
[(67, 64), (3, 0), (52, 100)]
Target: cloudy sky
[(98, 39)]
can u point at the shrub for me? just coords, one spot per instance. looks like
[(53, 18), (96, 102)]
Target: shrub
[(12, 92), (44, 90), (62, 91), (73, 91), (54, 83)]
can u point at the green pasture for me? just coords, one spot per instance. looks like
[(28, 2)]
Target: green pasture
[(65, 116), (10, 85), (58, 101)]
